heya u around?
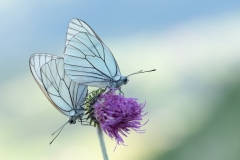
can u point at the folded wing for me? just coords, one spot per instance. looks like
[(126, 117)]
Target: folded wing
[(75, 26), (88, 61), (66, 95), (36, 61)]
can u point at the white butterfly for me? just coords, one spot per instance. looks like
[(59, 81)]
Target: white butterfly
[(66, 95), (88, 61)]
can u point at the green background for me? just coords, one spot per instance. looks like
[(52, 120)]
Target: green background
[(192, 100)]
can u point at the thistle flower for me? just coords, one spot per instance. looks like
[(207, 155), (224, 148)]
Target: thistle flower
[(117, 115)]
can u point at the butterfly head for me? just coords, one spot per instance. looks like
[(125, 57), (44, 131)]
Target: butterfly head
[(72, 121), (78, 115), (125, 80), (122, 81)]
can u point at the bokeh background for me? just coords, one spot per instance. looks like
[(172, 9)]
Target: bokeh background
[(193, 100)]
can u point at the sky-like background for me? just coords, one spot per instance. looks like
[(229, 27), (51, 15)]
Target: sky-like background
[(192, 100)]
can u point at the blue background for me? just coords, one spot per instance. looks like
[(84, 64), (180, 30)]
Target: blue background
[(192, 99)]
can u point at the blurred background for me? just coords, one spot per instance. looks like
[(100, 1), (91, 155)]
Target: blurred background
[(192, 100)]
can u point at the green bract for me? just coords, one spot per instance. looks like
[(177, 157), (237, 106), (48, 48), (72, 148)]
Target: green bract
[(91, 99)]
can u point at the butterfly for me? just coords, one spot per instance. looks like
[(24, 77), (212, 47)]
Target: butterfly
[(67, 96), (88, 61)]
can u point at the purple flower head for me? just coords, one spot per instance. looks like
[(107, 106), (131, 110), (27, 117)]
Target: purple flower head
[(116, 115)]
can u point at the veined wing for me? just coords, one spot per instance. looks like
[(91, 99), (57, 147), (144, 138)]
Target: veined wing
[(75, 26), (36, 61), (67, 95), (88, 61)]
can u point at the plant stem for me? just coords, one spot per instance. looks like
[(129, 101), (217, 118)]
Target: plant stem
[(102, 144)]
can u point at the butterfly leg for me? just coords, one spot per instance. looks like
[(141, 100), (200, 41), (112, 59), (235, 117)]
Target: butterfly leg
[(84, 122), (120, 91), (108, 88)]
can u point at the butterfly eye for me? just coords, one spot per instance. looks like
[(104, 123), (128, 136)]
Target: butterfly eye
[(125, 80), (72, 121)]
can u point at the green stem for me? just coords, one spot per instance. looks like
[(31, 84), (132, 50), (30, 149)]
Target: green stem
[(102, 144)]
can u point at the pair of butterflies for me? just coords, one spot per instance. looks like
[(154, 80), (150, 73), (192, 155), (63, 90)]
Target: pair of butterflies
[(86, 62)]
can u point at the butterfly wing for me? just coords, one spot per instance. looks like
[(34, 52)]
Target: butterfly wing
[(76, 92), (36, 61), (67, 95), (88, 61), (75, 26)]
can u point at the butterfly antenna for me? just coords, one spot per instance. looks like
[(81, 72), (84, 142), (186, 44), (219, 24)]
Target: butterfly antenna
[(60, 129), (141, 71)]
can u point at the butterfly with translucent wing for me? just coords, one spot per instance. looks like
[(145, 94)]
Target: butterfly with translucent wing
[(67, 96), (88, 61)]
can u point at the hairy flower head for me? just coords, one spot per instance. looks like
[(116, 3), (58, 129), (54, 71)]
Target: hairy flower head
[(117, 115)]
